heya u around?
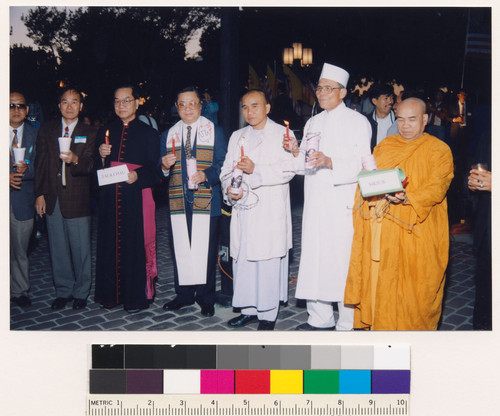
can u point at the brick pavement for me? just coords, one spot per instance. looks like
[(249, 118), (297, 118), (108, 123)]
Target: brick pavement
[(457, 310)]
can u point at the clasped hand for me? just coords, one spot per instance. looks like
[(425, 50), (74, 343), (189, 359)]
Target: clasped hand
[(16, 178), (479, 180), (397, 198)]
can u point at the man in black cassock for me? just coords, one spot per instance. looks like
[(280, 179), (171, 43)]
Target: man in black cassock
[(126, 243)]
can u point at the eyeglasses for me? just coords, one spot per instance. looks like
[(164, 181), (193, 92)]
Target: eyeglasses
[(327, 88), (17, 106), (191, 104), (126, 101)]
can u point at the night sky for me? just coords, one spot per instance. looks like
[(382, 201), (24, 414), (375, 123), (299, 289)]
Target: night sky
[(418, 46)]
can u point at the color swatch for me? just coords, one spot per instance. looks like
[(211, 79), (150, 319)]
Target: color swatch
[(249, 369)]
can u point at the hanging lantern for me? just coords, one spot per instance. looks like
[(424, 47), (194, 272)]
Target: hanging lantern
[(288, 56), (297, 50), (307, 57)]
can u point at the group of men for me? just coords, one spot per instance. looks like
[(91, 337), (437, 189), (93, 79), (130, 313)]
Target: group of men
[(385, 269)]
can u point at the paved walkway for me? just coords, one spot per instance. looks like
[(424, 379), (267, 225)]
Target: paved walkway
[(457, 310)]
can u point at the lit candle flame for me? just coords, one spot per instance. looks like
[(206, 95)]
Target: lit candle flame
[(107, 137)]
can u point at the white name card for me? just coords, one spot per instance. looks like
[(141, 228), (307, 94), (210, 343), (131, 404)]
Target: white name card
[(379, 182), (112, 175)]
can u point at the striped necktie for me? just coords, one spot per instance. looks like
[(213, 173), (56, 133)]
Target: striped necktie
[(15, 141), (188, 143)]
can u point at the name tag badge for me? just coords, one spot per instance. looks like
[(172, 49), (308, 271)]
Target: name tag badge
[(80, 139)]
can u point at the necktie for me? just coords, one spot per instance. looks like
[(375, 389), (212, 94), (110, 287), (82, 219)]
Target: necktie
[(63, 166), (15, 142), (188, 143)]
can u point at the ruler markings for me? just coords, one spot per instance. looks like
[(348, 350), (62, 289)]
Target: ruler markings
[(262, 405)]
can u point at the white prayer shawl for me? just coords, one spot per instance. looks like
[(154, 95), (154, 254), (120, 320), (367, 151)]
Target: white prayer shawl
[(269, 234), (327, 224), (191, 258)]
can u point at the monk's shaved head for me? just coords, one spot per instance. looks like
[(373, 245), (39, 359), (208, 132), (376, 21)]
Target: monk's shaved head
[(420, 104), (256, 91), (411, 118)]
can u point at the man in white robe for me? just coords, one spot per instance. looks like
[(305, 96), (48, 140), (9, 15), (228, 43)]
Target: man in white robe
[(261, 225), (329, 188)]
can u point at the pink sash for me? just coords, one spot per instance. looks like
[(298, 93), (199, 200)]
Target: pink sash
[(148, 215)]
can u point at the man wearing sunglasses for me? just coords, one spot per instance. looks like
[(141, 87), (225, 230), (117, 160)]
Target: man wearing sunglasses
[(22, 208)]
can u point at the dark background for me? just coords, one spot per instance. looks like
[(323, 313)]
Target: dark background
[(98, 48)]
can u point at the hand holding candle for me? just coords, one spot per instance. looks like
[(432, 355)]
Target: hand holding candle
[(105, 148), (170, 158), (246, 165)]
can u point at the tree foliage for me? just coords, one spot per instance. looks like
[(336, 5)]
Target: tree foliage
[(33, 72), (98, 48)]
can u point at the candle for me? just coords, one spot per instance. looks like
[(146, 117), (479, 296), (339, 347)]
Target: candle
[(107, 137), (287, 130), (173, 145), (242, 142)]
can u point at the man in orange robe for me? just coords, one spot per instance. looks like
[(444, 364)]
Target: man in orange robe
[(400, 246)]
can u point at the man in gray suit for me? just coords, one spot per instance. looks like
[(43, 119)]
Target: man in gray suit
[(62, 191), (22, 209)]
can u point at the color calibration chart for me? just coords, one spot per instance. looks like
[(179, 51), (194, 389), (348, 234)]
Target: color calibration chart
[(249, 380)]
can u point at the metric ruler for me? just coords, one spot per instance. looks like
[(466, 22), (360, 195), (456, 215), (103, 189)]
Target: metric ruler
[(244, 404)]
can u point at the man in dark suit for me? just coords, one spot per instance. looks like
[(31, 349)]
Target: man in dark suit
[(194, 213), (460, 117), (22, 210), (62, 191)]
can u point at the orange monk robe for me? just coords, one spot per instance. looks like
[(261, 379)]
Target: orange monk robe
[(412, 243)]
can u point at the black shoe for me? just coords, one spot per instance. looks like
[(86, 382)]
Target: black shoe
[(60, 303), (79, 303), (22, 301), (307, 327), (108, 306), (266, 325), (175, 305), (207, 310), (135, 310), (241, 320), (226, 301)]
